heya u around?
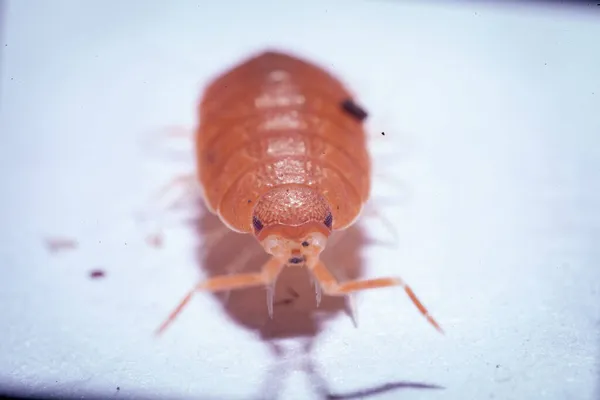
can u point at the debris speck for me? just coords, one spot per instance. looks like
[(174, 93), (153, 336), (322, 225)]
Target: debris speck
[(155, 240), (56, 245), (97, 273)]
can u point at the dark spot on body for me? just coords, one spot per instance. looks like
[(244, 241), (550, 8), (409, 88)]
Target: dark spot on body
[(97, 273), (383, 133), (296, 260), (249, 201), (118, 387), (350, 107), (305, 244)]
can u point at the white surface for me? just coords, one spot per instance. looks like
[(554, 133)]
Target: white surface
[(492, 117)]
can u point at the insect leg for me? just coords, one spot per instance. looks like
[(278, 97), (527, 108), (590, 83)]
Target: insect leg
[(266, 277), (333, 288), (238, 263), (184, 180), (371, 211)]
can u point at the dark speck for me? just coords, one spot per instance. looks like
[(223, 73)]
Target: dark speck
[(296, 260), (289, 301), (383, 133), (305, 244), (249, 201), (97, 273), (118, 387), (354, 110)]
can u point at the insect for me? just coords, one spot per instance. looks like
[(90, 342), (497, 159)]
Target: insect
[(281, 154)]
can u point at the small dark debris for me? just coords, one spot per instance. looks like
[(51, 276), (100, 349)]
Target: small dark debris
[(288, 301), (97, 273), (383, 133), (118, 387), (284, 302), (155, 240), (249, 201), (354, 110), (57, 244), (497, 365)]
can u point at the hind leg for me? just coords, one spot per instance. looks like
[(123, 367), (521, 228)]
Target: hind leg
[(223, 283), (333, 288)]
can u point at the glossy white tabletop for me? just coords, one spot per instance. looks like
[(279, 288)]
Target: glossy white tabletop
[(489, 171)]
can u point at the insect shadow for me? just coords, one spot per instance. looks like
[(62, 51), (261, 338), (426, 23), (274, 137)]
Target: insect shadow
[(297, 318)]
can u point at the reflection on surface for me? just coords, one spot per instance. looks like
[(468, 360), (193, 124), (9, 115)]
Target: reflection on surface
[(297, 321)]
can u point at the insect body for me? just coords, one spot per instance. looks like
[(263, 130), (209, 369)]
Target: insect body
[(282, 154)]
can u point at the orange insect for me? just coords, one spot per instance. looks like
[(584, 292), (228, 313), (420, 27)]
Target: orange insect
[(282, 154)]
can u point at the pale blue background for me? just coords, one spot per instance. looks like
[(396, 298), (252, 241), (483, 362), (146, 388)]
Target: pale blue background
[(492, 115)]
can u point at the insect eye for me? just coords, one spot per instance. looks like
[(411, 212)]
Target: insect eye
[(328, 221), (305, 244), (257, 224)]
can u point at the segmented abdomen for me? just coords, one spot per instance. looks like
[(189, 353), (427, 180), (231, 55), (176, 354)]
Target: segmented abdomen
[(275, 120)]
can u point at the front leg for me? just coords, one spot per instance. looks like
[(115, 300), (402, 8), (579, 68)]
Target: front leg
[(224, 283), (333, 288)]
